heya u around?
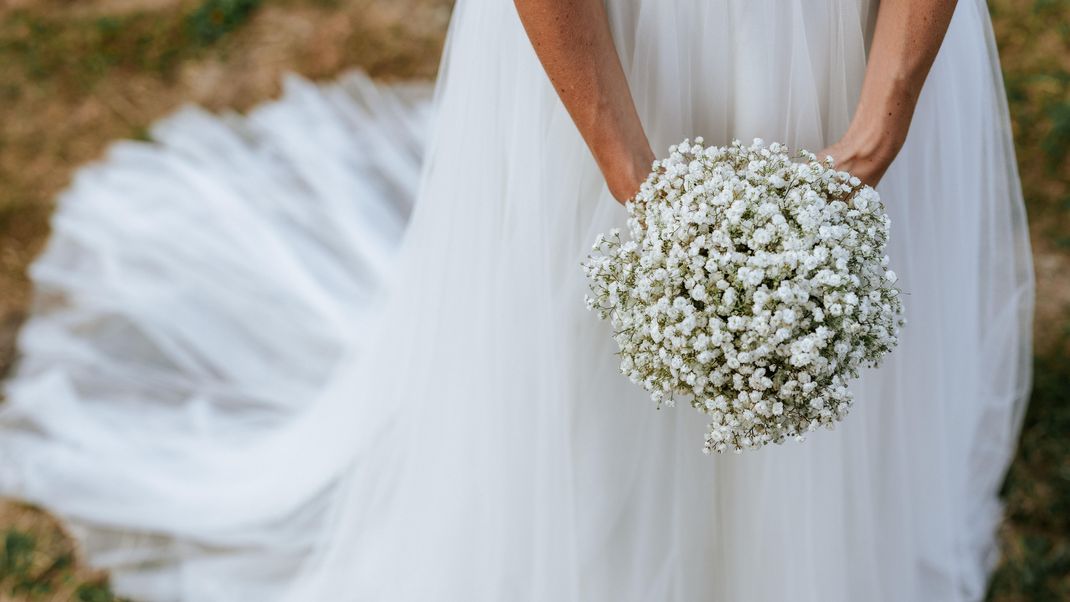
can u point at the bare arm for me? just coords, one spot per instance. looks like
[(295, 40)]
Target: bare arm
[(573, 41), (905, 42)]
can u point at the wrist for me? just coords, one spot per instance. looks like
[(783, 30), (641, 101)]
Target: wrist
[(869, 143), (627, 171), (874, 139), (881, 123)]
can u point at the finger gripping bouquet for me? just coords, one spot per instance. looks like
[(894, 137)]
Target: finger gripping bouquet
[(754, 285)]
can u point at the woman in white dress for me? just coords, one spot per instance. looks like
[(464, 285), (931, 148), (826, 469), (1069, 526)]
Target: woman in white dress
[(241, 382)]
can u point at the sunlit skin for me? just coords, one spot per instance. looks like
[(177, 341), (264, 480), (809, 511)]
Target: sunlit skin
[(572, 40), (907, 37), (574, 44)]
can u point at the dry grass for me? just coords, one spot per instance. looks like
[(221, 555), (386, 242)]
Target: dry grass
[(77, 74), (39, 562)]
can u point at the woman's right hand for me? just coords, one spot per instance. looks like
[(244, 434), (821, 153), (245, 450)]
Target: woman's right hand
[(625, 177)]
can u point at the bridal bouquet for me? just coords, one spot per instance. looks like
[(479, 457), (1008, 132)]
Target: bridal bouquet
[(753, 285)]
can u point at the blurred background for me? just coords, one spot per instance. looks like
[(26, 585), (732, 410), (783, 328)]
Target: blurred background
[(78, 74)]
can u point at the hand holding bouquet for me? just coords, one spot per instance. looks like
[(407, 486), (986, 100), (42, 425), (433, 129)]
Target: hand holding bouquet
[(753, 285)]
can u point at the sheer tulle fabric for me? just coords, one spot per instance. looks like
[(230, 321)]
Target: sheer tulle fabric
[(196, 295), (237, 390)]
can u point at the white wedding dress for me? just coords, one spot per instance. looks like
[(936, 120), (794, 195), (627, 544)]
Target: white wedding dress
[(337, 349)]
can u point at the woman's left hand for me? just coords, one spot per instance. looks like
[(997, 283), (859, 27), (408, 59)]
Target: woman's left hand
[(866, 157)]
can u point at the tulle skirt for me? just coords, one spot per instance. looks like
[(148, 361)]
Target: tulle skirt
[(243, 381)]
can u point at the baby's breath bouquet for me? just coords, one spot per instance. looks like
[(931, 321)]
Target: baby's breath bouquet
[(753, 285)]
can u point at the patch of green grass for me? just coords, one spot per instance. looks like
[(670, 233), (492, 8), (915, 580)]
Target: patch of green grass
[(17, 553), (95, 592), (1034, 42), (49, 48), (1036, 538), (31, 571), (215, 18), (1057, 140)]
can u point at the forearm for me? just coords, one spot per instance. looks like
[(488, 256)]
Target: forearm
[(906, 40), (573, 41)]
